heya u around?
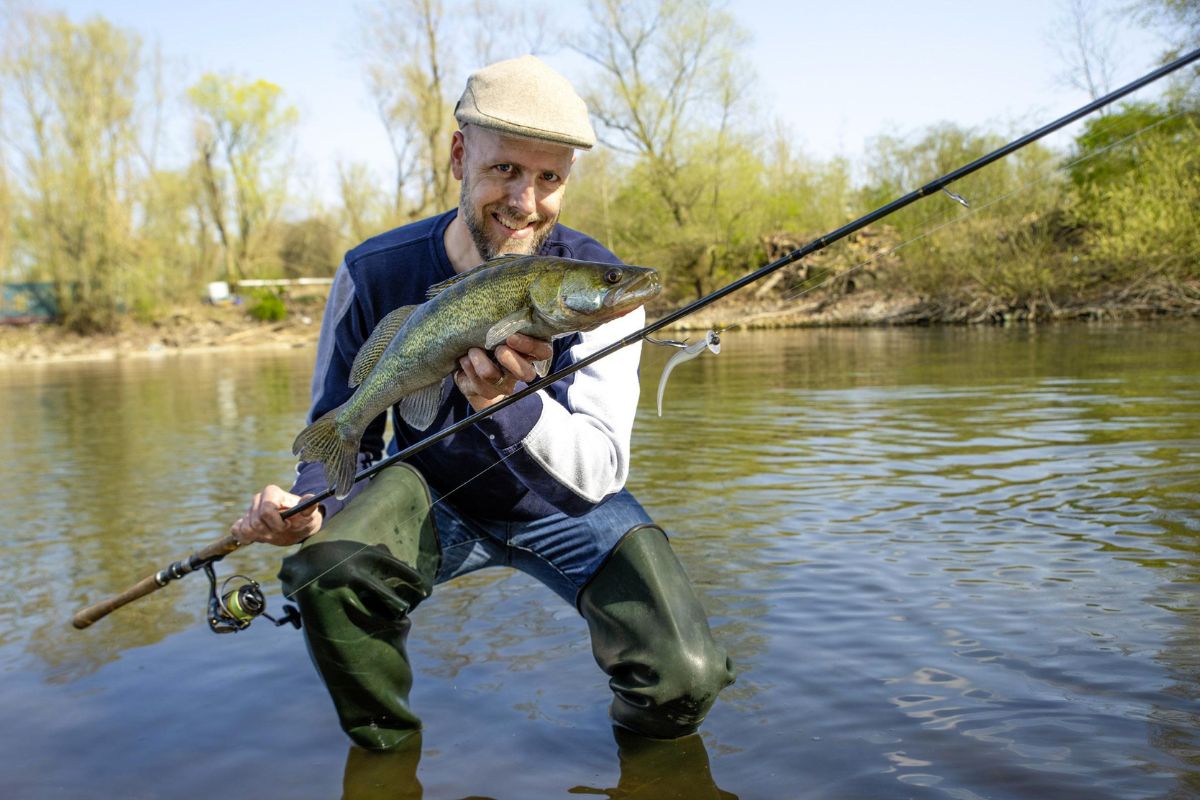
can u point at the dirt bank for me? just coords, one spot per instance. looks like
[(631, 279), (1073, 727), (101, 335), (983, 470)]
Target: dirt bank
[(213, 328), (200, 327)]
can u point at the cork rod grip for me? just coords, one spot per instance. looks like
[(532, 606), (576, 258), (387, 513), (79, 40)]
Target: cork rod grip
[(152, 583)]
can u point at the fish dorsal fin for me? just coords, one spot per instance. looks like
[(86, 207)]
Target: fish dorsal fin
[(372, 349), (437, 288), (420, 408), (505, 327)]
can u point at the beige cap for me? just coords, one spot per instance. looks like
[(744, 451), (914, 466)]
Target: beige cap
[(525, 97)]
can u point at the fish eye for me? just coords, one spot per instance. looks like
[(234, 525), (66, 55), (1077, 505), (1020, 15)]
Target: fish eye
[(612, 276)]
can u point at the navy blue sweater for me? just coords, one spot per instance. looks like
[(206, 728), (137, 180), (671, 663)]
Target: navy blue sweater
[(565, 448)]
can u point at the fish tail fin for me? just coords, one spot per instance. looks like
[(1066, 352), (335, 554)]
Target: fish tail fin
[(323, 442)]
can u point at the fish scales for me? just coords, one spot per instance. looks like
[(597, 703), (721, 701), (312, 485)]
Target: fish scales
[(414, 349)]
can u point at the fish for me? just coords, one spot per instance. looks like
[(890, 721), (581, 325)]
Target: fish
[(710, 342), (410, 356)]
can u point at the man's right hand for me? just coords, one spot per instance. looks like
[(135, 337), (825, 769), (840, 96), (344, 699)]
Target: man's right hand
[(262, 522)]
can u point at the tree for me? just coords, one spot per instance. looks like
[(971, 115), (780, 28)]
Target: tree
[(308, 248), (7, 212), (408, 69), (362, 213), (1087, 47), (70, 121), (242, 136), (662, 65), (408, 52), (669, 84), (1180, 19)]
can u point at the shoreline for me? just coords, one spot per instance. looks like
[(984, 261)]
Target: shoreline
[(210, 329)]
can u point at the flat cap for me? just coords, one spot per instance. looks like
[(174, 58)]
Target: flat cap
[(525, 97)]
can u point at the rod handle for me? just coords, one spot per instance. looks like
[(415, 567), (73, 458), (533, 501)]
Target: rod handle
[(152, 583)]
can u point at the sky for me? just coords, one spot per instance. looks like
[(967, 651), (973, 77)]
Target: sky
[(834, 74)]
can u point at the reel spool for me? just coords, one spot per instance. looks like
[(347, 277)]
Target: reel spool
[(233, 607)]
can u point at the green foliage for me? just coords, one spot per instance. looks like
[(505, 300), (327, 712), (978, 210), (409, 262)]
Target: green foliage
[(242, 131), (266, 305), (73, 89), (689, 182), (1124, 127), (1144, 222), (1002, 248), (8, 207)]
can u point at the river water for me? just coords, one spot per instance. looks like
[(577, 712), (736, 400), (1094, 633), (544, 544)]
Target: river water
[(954, 563)]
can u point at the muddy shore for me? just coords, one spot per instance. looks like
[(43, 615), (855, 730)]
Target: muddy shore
[(227, 328)]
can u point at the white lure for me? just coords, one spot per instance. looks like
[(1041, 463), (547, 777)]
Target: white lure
[(711, 342)]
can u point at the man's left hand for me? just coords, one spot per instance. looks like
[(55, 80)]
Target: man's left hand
[(485, 382)]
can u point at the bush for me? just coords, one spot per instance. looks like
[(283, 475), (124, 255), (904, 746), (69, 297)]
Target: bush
[(266, 305)]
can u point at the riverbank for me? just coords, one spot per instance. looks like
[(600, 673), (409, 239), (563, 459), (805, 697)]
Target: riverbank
[(216, 328), (201, 327), (875, 307)]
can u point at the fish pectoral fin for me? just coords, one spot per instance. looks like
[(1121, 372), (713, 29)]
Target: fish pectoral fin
[(506, 327), (542, 367), (372, 349), (419, 409)]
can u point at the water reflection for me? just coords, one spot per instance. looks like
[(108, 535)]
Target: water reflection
[(649, 770), (951, 561), (658, 770), (117, 469), (384, 775)]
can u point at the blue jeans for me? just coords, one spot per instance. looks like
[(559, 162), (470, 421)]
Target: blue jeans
[(359, 578), (562, 552)]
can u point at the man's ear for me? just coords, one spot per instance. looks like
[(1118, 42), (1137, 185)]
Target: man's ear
[(458, 154)]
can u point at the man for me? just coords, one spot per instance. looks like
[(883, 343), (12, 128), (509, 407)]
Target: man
[(537, 486)]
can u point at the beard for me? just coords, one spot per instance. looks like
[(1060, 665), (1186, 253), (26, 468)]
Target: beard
[(490, 247)]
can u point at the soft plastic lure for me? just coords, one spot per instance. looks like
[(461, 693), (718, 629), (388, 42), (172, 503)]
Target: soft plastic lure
[(711, 342)]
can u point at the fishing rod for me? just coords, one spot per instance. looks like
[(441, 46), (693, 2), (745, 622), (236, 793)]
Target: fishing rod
[(204, 558)]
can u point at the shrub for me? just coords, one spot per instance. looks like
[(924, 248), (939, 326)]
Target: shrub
[(266, 305)]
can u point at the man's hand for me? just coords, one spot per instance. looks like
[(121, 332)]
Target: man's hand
[(485, 382), (262, 522)]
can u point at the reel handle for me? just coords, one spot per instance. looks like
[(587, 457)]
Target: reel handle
[(152, 583)]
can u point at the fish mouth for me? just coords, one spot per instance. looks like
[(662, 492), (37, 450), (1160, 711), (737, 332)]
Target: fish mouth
[(642, 286)]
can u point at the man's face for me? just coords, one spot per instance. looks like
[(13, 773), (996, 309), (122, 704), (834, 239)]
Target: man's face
[(512, 189)]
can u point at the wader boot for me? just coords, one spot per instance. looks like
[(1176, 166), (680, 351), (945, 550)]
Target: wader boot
[(356, 582), (651, 636)]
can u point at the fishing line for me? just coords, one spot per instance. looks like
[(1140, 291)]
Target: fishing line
[(217, 550), (815, 245), (413, 517), (971, 210), (1104, 126)]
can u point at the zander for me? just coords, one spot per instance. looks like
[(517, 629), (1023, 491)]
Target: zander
[(413, 350)]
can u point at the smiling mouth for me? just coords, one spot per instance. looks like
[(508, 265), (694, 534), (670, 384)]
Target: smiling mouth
[(511, 226)]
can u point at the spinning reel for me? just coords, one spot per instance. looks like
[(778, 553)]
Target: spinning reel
[(237, 603)]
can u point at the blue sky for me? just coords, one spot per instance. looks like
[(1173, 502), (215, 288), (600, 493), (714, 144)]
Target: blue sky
[(834, 73)]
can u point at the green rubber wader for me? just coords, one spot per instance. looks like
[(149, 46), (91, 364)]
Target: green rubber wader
[(356, 582), (651, 636)]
